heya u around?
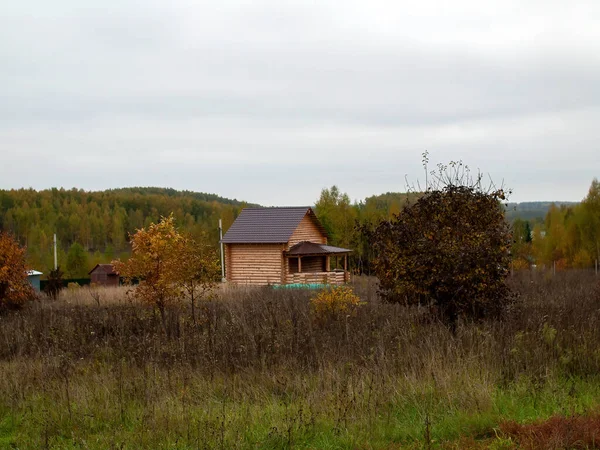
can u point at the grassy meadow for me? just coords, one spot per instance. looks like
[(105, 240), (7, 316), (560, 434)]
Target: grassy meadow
[(257, 369)]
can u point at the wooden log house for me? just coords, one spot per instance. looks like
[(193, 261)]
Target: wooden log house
[(284, 245)]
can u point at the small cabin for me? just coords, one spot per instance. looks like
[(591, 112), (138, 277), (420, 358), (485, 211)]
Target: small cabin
[(104, 275), (284, 245), (34, 277)]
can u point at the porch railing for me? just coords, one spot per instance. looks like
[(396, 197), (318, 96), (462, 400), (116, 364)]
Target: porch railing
[(319, 277)]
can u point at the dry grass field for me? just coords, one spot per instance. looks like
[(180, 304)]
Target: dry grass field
[(257, 369)]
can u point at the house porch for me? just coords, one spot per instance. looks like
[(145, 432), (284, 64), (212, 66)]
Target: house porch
[(308, 262)]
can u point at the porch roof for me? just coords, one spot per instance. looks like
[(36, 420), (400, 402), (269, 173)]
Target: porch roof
[(306, 248)]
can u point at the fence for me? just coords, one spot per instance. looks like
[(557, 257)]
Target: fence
[(65, 282), (557, 267)]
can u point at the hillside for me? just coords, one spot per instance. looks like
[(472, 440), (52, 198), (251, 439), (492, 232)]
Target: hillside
[(101, 221), (384, 205), (532, 211)]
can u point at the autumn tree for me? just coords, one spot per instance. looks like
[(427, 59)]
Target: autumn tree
[(591, 220), (169, 266), (15, 290), (449, 250), (155, 261), (521, 250), (199, 272)]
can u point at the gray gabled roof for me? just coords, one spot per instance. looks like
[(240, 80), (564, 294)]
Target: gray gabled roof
[(268, 225)]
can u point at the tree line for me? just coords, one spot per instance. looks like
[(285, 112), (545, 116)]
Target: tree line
[(94, 227), (568, 235)]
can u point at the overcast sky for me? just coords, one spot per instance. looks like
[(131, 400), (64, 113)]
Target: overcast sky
[(271, 100)]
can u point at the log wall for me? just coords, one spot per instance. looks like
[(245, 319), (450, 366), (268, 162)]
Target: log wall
[(254, 264)]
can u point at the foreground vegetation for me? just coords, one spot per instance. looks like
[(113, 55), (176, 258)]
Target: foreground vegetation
[(258, 369)]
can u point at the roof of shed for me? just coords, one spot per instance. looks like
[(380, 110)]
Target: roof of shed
[(104, 268), (268, 225), (310, 248)]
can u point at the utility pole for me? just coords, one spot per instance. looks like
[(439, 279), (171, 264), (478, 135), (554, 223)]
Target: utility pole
[(222, 255), (55, 258)]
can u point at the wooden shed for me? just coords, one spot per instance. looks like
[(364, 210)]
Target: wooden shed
[(284, 245), (104, 275)]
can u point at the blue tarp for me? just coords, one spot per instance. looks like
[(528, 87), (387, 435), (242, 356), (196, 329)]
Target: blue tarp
[(300, 286)]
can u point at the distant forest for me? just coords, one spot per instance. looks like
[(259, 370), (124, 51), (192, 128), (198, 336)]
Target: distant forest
[(532, 211), (94, 227), (562, 234)]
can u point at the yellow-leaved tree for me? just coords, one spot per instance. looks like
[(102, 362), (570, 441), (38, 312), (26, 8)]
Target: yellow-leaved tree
[(200, 270), (167, 264)]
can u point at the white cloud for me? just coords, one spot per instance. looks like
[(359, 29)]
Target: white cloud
[(272, 100)]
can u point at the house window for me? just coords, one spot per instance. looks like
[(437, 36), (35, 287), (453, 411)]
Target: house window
[(293, 265)]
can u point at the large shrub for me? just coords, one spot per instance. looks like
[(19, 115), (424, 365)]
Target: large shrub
[(15, 290), (449, 250)]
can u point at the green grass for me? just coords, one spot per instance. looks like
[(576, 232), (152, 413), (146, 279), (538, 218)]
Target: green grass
[(212, 414), (8, 425)]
